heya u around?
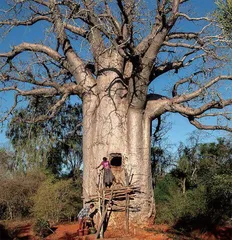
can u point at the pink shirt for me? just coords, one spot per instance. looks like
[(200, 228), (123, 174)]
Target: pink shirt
[(105, 164)]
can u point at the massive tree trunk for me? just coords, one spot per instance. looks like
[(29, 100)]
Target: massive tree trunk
[(112, 125)]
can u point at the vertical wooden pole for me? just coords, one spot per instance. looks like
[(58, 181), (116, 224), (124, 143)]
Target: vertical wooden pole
[(127, 213), (127, 203), (100, 227), (99, 204), (104, 212), (103, 215)]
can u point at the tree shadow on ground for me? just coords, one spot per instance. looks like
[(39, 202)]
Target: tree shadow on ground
[(4, 233), (203, 225), (24, 229)]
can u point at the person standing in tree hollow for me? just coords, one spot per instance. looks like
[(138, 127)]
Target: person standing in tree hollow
[(108, 176)]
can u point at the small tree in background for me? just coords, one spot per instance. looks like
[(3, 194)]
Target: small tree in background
[(54, 144), (161, 159)]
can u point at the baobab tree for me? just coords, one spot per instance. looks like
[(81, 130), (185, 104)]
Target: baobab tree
[(109, 53)]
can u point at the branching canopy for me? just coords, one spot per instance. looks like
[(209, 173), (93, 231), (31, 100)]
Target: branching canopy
[(138, 41)]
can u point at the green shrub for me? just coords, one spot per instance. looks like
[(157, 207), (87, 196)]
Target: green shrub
[(219, 195), (172, 205), (165, 192), (56, 200), (197, 193), (42, 228)]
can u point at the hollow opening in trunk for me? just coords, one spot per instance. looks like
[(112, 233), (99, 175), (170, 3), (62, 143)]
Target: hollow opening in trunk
[(116, 162), (116, 159)]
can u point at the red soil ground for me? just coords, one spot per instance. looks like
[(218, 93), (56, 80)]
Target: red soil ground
[(154, 232)]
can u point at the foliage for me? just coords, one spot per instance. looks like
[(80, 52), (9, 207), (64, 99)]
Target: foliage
[(26, 194), (206, 200), (224, 15), (160, 161), (15, 193), (42, 228), (7, 162), (54, 144), (57, 200), (165, 191)]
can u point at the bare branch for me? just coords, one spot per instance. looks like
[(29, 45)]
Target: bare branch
[(76, 65), (168, 66), (128, 14), (33, 48), (199, 125), (110, 36), (11, 109), (43, 17), (158, 25), (226, 115), (35, 92), (28, 22), (192, 19), (45, 3), (162, 28), (188, 111), (80, 31), (182, 44), (95, 26), (182, 35), (182, 81), (116, 24), (51, 113), (188, 97)]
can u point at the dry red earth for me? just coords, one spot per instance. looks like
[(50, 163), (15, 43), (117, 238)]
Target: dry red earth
[(23, 231)]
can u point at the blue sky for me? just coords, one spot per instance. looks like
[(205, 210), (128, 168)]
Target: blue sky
[(180, 127)]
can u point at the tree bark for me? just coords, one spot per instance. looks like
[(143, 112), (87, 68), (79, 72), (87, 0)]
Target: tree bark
[(111, 125)]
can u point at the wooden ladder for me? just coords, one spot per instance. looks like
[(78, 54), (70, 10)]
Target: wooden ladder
[(104, 213)]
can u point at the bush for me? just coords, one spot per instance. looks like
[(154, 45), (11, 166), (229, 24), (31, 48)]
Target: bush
[(219, 195), (202, 199), (172, 205), (16, 191), (56, 200), (165, 192), (42, 228), (205, 206)]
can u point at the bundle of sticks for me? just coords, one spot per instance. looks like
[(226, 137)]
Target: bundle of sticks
[(116, 193)]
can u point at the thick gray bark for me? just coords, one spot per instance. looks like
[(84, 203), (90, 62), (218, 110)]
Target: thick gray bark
[(110, 125)]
